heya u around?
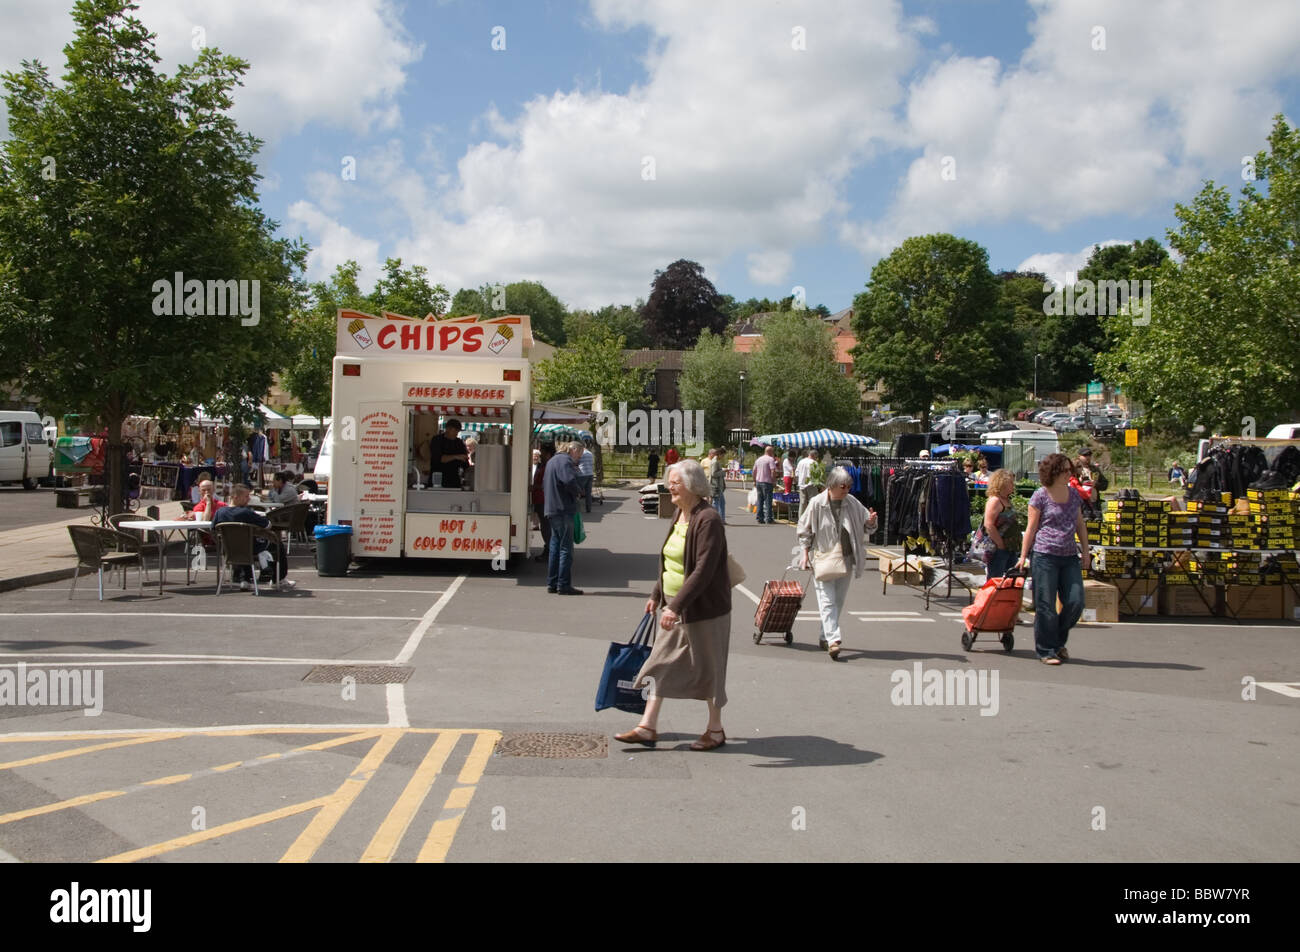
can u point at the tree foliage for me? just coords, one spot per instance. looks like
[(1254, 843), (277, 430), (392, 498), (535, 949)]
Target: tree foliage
[(928, 323), (796, 383), (1223, 343), (588, 366), (546, 311), (683, 304), (710, 382), (614, 319), (118, 179)]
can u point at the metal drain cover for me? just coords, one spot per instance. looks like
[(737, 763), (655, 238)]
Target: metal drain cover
[(553, 746), (360, 673)]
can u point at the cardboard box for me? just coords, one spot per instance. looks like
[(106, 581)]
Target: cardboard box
[(1100, 602), (1138, 597), (1253, 601), (1188, 600), (898, 572)]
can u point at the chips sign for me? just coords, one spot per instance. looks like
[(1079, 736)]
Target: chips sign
[(1130, 437), (363, 335)]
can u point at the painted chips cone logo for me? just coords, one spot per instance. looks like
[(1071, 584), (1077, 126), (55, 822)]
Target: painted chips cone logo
[(357, 328), (501, 339)]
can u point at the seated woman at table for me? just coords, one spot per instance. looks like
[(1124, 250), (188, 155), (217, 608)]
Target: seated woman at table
[(282, 490)]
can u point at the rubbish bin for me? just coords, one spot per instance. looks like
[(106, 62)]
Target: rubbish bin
[(333, 549)]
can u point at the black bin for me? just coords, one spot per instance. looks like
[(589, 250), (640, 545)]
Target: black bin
[(333, 549)]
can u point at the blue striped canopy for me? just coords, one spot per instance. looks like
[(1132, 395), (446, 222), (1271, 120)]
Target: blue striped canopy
[(814, 439)]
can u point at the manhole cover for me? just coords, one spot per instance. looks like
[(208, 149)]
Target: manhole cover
[(360, 673), (554, 746)]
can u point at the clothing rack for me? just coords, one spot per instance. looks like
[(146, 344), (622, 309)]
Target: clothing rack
[(948, 544)]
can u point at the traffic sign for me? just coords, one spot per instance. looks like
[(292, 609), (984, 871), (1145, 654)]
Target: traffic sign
[(1130, 437)]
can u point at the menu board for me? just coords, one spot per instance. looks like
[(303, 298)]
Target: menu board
[(459, 535), (379, 457)]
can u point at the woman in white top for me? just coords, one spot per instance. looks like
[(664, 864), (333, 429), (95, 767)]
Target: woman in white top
[(835, 524)]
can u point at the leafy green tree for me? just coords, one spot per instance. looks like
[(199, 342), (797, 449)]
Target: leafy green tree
[(309, 374), (522, 297), (1223, 342), (588, 366), (710, 381), (928, 323), (468, 301), (683, 303), (112, 183), (407, 291), (615, 319), (796, 383)]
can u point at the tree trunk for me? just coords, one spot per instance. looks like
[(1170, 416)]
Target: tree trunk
[(114, 471)]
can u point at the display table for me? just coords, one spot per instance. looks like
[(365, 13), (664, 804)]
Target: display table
[(1157, 561), (165, 527)]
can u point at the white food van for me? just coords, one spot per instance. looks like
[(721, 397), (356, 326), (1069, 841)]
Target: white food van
[(396, 380), (26, 449)]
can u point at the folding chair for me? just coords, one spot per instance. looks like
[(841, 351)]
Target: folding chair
[(290, 520), (97, 547)]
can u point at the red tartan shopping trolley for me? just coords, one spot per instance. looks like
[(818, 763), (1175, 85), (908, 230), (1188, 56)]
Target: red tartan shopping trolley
[(778, 607)]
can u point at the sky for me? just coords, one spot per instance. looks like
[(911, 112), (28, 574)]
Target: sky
[(780, 144)]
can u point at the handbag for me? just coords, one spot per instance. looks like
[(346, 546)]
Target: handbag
[(623, 662), (982, 544), (735, 571), (579, 533), (828, 566)]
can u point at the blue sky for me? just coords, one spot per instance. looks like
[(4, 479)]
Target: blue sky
[(792, 143)]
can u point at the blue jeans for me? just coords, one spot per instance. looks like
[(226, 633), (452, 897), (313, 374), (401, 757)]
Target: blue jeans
[(1053, 575), (999, 561), (720, 504), (584, 483), (560, 570), (764, 502)]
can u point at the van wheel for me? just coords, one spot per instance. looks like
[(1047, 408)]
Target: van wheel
[(29, 484)]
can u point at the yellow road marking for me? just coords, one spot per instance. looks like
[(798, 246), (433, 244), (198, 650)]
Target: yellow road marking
[(221, 732), (444, 829), (310, 840), (145, 852), (77, 751), (388, 837), (109, 794)]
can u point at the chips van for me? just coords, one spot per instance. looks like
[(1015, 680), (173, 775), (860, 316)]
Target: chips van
[(397, 381)]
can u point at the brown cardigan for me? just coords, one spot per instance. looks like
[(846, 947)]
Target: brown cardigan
[(706, 591)]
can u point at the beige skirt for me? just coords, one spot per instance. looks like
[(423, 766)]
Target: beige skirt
[(690, 661)]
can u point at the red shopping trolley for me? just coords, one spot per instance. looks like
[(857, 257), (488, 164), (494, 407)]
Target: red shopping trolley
[(778, 607), (996, 608)]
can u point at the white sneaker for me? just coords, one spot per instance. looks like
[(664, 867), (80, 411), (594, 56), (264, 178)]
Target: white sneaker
[(244, 587), (287, 585)]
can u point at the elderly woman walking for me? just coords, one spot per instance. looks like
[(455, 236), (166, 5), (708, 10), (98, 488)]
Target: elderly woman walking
[(689, 658), (831, 531)]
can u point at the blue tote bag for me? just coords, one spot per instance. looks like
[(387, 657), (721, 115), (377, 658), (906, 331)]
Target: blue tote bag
[(622, 664)]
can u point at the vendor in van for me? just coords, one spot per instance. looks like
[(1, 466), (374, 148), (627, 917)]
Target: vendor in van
[(449, 455)]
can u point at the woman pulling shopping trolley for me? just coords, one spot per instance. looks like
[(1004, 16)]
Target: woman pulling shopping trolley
[(831, 531)]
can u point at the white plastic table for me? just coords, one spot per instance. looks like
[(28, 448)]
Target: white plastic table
[(167, 527)]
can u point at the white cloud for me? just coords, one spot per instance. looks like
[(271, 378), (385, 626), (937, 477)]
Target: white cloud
[(338, 62), (1072, 132), (769, 267), (1057, 264), (333, 243)]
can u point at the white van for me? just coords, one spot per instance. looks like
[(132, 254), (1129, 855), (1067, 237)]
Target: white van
[(1024, 448), (26, 455), (321, 472), (1284, 431)]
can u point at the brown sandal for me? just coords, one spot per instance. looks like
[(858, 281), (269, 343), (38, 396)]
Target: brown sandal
[(634, 736), (706, 741)]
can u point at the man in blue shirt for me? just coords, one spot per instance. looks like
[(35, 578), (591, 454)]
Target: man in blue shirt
[(561, 487), (238, 511), (587, 470)]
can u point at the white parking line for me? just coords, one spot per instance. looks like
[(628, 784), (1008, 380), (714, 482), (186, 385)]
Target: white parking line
[(260, 617), (747, 593), (8, 858), (427, 621), (393, 591), (396, 700), (924, 621)]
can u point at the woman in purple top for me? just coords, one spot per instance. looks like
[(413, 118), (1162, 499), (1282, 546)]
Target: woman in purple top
[(1055, 519)]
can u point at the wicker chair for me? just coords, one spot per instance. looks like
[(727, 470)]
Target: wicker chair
[(237, 544), (98, 547), (290, 520)]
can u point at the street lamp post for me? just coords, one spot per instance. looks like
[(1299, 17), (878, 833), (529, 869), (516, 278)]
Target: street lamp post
[(1036, 356), (741, 441)]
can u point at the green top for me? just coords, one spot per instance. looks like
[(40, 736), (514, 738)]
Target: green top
[(675, 560)]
